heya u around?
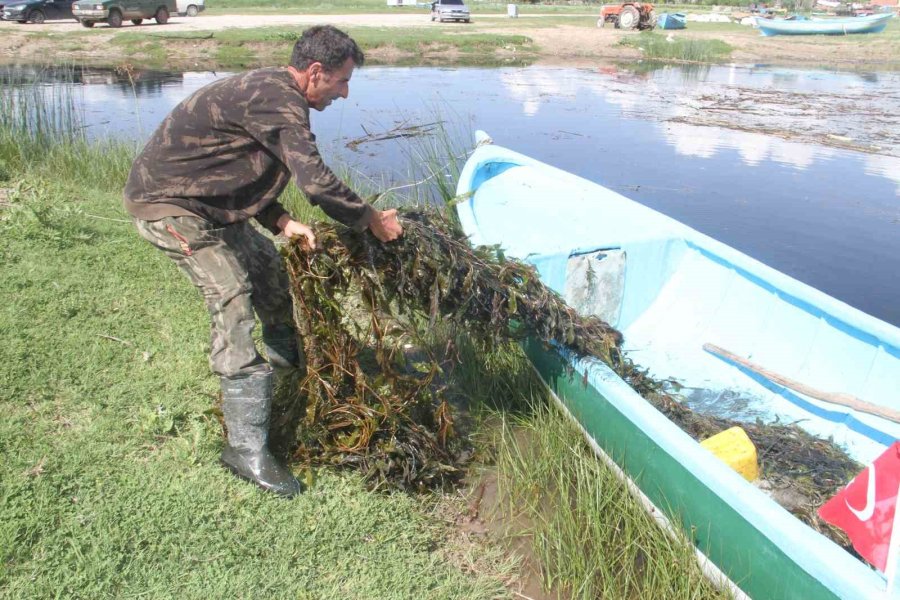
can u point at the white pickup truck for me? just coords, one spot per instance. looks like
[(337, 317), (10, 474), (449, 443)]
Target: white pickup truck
[(190, 8)]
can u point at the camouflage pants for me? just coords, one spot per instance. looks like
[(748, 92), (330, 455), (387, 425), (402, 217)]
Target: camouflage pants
[(238, 270)]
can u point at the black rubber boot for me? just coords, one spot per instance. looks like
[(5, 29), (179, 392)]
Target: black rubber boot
[(281, 346), (246, 404)]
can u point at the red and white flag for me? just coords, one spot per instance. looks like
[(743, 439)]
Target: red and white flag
[(864, 509)]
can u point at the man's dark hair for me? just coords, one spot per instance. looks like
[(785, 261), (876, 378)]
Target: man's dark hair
[(327, 45)]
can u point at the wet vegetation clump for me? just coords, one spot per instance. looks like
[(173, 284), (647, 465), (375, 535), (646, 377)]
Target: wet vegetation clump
[(374, 394), (800, 471)]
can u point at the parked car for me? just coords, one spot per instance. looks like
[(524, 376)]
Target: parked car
[(114, 12), (190, 8), (449, 10), (37, 11)]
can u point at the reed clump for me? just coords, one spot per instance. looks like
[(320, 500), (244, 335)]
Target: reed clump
[(43, 133), (659, 47)]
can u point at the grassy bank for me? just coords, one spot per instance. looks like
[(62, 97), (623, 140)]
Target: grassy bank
[(553, 33), (588, 535), (109, 486), (376, 6), (235, 48), (577, 527)]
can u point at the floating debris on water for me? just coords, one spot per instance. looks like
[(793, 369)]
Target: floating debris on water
[(402, 130)]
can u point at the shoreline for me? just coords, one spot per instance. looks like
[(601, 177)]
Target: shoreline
[(250, 40)]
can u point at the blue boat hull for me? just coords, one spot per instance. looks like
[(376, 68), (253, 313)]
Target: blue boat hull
[(868, 24), (671, 21), (670, 290)]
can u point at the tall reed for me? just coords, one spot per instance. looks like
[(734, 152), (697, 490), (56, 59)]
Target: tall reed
[(430, 157), (42, 131), (659, 47), (590, 536)]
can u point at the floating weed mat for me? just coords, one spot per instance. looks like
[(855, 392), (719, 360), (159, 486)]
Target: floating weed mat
[(368, 402)]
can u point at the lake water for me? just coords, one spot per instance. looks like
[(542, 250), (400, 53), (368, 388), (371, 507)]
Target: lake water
[(756, 157)]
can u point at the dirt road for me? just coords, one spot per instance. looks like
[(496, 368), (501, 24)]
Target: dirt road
[(203, 22)]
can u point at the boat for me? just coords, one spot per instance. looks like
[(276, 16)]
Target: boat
[(867, 24), (671, 21), (673, 292)]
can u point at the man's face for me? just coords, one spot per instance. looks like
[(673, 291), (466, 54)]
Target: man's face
[(327, 86)]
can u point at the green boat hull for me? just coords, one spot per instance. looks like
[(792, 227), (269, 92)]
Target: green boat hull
[(746, 556)]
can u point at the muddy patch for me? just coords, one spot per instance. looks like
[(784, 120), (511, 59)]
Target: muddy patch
[(482, 539)]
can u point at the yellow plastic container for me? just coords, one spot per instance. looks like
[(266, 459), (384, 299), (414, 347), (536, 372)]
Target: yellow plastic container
[(736, 450)]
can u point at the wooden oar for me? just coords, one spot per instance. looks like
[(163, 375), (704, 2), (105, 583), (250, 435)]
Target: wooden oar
[(839, 398)]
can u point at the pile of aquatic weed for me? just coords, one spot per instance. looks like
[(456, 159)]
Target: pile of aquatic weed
[(374, 396), (368, 400), (801, 471)]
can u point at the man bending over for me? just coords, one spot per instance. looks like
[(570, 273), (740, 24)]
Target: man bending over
[(220, 158)]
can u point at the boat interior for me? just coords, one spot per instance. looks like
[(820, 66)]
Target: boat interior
[(675, 294)]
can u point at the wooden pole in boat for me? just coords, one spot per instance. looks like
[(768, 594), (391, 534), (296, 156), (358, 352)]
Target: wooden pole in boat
[(839, 398)]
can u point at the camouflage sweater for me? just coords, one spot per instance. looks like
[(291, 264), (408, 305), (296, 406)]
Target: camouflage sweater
[(226, 153)]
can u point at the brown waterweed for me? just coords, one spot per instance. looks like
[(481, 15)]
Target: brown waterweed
[(371, 403)]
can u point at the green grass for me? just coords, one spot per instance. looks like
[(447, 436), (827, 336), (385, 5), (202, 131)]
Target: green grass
[(110, 486), (657, 46), (411, 40), (147, 51), (475, 48), (580, 525), (238, 55), (591, 539)]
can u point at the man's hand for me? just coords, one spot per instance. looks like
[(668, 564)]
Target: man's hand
[(385, 226), (295, 229)]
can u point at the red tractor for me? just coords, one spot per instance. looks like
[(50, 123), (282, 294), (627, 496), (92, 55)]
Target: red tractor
[(628, 15)]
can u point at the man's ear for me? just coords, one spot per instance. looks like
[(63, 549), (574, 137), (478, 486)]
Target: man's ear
[(315, 70)]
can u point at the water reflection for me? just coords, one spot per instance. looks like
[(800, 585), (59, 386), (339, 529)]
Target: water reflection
[(139, 82), (742, 154), (814, 107), (885, 166), (753, 148)]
